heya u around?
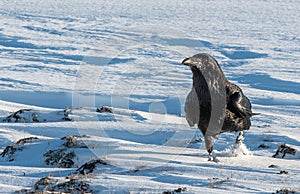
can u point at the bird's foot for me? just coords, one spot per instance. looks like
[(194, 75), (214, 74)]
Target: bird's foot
[(212, 158)]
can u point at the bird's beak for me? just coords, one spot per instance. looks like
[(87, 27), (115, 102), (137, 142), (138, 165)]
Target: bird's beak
[(187, 61)]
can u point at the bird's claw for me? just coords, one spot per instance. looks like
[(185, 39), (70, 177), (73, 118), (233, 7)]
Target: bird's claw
[(212, 158)]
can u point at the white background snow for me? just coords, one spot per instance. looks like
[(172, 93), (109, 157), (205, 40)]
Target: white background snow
[(127, 54)]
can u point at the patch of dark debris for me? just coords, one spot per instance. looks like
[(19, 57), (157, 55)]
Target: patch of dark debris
[(73, 183), (66, 114), (104, 109), (288, 190), (72, 141), (10, 150), (264, 126), (283, 150), (64, 156), (35, 116), (61, 158), (263, 146), (17, 116), (273, 166), (283, 172), (26, 140), (90, 166), (179, 190), (49, 184)]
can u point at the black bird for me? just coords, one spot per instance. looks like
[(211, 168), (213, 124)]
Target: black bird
[(215, 104)]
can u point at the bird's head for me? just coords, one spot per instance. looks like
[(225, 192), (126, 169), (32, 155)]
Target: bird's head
[(200, 60), (204, 64)]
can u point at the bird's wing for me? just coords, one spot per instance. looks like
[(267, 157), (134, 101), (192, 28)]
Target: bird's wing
[(191, 108), (237, 101)]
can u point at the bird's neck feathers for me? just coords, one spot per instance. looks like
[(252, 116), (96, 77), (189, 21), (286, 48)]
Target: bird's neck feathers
[(204, 74), (198, 76)]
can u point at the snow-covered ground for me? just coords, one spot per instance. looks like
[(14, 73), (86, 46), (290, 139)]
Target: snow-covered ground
[(61, 60)]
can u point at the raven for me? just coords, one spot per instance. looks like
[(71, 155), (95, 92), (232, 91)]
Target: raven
[(215, 104)]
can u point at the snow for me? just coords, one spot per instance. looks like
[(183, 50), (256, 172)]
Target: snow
[(81, 55)]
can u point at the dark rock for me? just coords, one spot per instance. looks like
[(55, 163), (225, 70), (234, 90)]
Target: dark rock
[(104, 109), (263, 146), (273, 166), (179, 190), (90, 166), (283, 172)]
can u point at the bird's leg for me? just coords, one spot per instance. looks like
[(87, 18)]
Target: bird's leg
[(209, 147), (210, 156), (240, 138), (239, 141)]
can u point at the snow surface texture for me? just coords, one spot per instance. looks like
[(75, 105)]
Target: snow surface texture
[(59, 54)]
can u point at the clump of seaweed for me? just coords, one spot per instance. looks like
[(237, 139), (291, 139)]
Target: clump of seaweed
[(10, 150), (89, 166), (60, 158), (26, 140), (287, 190), (66, 114), (179, 190), (49, 184), (17, 117), (71, 141)]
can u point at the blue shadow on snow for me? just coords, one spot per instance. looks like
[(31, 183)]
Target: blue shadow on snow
[(266, 82)]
